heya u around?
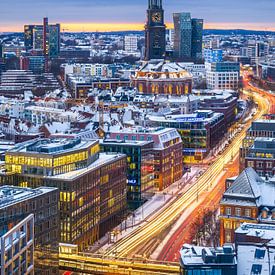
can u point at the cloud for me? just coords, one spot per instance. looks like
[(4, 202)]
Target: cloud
[(133, 11)]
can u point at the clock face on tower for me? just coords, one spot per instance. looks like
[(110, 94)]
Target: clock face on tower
[(156, 17)]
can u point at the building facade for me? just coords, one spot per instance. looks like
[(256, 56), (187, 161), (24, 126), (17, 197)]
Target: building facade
[(140, 167), (92, 185), (163, 78), (167, 151), (261, 157), (155, 31), (223, 75), (213, 55), (263, 128), (17, 248), (246, 200), (188, 37), (200, 132), (130, 43), (44, 37), (17, 203)]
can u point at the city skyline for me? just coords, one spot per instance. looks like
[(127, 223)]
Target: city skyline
[(96, 16)]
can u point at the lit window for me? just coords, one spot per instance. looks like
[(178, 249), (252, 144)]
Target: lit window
[(228, 211), (247, 212), (238, 212)]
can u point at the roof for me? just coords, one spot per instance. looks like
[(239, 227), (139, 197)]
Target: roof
[(246, 184), (104, 159), (10, 195), (250, 189)]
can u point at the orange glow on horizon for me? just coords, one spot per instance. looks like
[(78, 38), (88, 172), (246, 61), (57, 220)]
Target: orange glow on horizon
[(107, 27)]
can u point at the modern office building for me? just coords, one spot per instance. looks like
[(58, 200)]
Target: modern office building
[(196, 46), (17, 203), (155, 31), (261, 156), (188, 37), (223, 75), (167, 151), (36, 64), (130, 43), (17, 248), (200, 132), (263, 128), (158, 77), (249, 199), (44, 37), (140, 167), (92, 185), (213, 55), (218, 101), (195, 260)]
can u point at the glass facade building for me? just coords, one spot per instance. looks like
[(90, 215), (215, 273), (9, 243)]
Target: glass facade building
[(140, 168), (199, 132), (188, 37), (44, 37), (92, 185)]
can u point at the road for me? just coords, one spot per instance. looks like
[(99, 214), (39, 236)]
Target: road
[(168, 215), (170, 251)]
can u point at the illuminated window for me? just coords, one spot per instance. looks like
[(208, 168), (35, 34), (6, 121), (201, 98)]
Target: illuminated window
[(247, 212)]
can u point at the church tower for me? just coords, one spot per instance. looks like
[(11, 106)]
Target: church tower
[(155, 31)]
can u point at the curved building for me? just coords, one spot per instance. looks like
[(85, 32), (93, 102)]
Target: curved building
[(163, 78)]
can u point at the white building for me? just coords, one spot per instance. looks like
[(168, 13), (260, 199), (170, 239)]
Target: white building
[(130, 43), (12, 108), (223, 75), (39, 115), (17, 248), (256, 249)]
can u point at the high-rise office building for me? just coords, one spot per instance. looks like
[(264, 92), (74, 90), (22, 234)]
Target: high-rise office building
[(188, 36), (28, 36), (155, 31), (183, 35), (44, 37), (196, 46)]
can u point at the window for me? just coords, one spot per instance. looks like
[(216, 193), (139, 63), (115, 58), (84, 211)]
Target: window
[(269, 165), (247, 213), (238, 212), (228, 211), (250, 164), (228, 236), (256, 269), (259, 253), (227, 225)]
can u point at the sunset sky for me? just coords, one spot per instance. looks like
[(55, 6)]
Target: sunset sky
[(108, 15)]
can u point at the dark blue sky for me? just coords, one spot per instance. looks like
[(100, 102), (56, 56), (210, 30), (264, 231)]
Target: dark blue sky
[(16, 12)]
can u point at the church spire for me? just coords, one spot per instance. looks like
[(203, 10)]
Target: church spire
[(155, 4)]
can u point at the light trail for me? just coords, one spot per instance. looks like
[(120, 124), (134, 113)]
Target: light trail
[(167, 215)]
